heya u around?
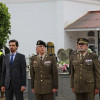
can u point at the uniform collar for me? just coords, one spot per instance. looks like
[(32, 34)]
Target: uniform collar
[(83, 54)]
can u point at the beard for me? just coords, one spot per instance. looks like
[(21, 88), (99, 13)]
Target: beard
[(81, 50), (12, 50)]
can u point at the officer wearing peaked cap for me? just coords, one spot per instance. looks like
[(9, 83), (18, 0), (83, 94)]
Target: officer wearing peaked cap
[(85, 72), (43, 72)]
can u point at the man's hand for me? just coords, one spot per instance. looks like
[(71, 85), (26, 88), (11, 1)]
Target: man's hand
[(33, 90), (73, 90), (54, 90), (96, 91), (23, 88), (3, 88)]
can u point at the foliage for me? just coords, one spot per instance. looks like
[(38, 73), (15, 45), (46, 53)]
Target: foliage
[(29, 60), (89, 50), (4, 25), (63, 65)]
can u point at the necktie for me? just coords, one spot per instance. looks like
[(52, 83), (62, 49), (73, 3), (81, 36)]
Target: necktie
[(82, 56), (11, 60), (41, 58)]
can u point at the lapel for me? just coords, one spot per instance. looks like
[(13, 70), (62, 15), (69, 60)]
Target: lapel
[(78, 57), (8, 59), (16, 57), (45, 57), (37, 58), (84, 58)]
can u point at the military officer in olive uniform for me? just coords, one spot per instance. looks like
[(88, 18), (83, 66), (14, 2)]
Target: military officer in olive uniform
[(85, 72), (44, 74)]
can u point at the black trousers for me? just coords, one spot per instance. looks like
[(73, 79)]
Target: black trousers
[(85, 96), (11, 91), (48, 96)]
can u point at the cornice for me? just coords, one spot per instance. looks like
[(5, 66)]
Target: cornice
[(93, 2), (25, 1)]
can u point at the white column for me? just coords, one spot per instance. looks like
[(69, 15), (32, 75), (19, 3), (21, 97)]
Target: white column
[(60, 25)]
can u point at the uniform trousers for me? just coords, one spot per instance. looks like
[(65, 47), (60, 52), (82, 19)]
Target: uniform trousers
[(11, 91), (48, 96), (85, 96)]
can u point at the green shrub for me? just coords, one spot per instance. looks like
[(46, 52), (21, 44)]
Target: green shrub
[(5, 27)]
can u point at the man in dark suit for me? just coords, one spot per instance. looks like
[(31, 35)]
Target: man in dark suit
[(13, 73), (85, 72), (1, 61), (44, 75)]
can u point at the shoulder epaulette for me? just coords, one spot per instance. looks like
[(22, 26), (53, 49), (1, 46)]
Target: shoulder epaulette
[(51, 54)]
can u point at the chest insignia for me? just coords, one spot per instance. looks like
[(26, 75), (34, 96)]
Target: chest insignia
[(88, 60), (34, 62), (47, 62)]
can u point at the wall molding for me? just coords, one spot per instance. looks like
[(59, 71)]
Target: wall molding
[(93, 2), (25, 1)]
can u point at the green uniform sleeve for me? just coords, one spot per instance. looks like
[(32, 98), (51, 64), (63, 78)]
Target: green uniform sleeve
[(54, 72), (97, 71)]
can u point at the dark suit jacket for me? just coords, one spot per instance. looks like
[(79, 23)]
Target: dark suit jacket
[(44, 74), (1, 61), (16, 74)]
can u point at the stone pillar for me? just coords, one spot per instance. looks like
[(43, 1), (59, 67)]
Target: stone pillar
[(64, 90), (30, 94)]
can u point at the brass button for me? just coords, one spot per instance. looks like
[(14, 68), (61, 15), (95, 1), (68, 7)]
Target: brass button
[(90, 81), (81, 64), (80, 77), (41, 75), (41, 70), (41, 80)]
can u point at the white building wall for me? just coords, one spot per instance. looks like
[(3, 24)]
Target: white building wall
[(31, 22), (60, 24)]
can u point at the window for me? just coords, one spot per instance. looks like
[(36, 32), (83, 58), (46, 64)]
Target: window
[(91, 41), (91, 33)]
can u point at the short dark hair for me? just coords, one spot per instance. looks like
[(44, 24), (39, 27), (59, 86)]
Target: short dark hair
[(14, 41)]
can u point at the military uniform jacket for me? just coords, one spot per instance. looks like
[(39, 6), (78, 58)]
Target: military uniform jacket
[(85, 73), (44, 74)]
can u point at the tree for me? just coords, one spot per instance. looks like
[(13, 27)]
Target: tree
[(5, 27)]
